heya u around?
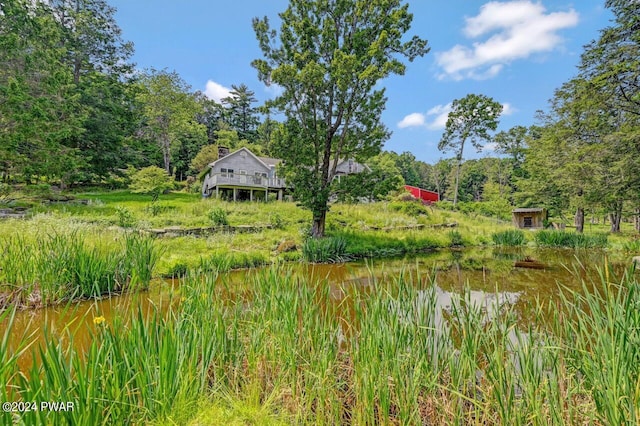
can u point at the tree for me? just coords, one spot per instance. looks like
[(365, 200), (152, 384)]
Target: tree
[(39, 110), (328, 60), (470, 119), (170, 112), (241, 115), (100, 63), (513, 143), (151, 180)]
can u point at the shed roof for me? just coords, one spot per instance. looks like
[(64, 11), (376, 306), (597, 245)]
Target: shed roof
[(528, 210)]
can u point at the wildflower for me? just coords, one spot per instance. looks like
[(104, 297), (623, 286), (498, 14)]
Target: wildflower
[(98, 320)]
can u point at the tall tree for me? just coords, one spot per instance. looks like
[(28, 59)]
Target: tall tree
[(99, 60), (471, 118), (241, 114), (170, 112), (38, 107), (329, 57)]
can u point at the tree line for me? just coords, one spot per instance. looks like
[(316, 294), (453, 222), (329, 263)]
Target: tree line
[(74, 110)]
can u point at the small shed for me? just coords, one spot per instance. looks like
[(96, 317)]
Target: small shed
[(529, 218)]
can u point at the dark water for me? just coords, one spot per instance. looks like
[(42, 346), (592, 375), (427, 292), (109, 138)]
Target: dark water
[(489, 273)]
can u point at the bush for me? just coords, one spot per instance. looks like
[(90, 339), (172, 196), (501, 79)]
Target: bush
[(514, 237), (410, 208), (151, 180), (218, 217)]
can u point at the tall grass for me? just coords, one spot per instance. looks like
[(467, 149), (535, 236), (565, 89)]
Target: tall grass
[(61, 266), (569, 239), (325, 250), (317, 354), (512, 237)]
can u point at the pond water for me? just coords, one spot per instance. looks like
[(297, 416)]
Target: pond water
[(490, 274)]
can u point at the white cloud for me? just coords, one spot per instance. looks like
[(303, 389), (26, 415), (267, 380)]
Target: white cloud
[(441, 113), (515, 30), (507, 109), (216, 91), (274, 90), (438, 114), (415, 119), (489, 147)]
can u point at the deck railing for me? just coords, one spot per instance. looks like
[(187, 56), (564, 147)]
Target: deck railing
[(217, 179)]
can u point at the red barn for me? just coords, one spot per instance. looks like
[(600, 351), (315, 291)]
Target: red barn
[(423, 194)]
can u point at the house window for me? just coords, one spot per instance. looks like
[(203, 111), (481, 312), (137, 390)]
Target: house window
[(227, 172), (528, 222)]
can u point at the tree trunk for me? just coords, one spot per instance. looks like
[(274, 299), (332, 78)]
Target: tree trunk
[(317, 229), (455, 194), (579, 220), (616, 216), (637, 220)]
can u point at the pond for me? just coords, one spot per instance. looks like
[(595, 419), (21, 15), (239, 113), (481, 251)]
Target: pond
[(523, 277)]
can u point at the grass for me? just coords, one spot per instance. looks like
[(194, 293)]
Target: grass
[(570, 239), (57, 266), (511, 237), (288, 350)]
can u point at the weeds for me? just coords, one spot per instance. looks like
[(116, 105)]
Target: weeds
[(569, 239), (391, 355), (513, 237)]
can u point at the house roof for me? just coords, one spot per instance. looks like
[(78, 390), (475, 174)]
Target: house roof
[(270, 161), (267, 162), (528, 210)]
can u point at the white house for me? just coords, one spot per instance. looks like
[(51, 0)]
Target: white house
[(242, 175)]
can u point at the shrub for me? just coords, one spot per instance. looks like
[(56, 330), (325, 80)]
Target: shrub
[(125, 217), (218, 217), (513, 237), (151, 180), (410, 208)]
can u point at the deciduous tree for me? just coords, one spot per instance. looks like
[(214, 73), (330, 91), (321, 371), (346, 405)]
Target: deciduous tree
[(329, 57), (471, 118)]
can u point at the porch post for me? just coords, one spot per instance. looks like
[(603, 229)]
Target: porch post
[(251, 195), (235, 194)]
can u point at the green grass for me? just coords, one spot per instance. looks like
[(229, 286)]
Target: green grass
[(287, 351), (570, 239), (56, 266), (512, 237)]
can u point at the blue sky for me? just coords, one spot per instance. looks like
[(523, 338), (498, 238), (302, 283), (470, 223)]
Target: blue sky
[(517, 52)]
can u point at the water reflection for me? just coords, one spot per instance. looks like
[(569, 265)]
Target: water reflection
[(489, 275)]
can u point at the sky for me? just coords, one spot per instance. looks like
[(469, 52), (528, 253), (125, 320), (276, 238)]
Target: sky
[(518, 52)]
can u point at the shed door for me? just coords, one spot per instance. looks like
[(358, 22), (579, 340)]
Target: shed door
[(528, 221)]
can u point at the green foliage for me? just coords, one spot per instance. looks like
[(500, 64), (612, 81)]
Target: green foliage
[(151, 180), (169, 110), (456, 238), (471, 118), (413, 208), (125, 217), (325, 250), (229, 363), (218, 217), (513, 237), (62, 266), (276, 221), (317, 61), (570, 239), (200, 163)]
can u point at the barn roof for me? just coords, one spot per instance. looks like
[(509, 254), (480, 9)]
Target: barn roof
[(528, 210)]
